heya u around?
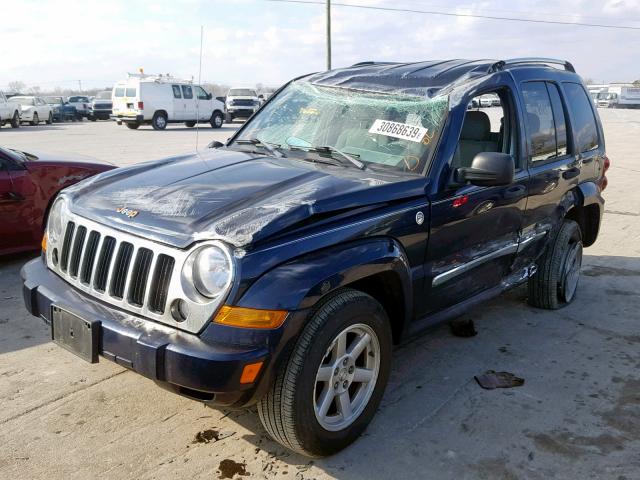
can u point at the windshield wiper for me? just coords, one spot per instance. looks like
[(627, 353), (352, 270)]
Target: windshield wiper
[(272, 148), (331, 150)]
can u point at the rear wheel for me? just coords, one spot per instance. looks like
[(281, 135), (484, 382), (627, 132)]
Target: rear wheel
[(132, 125), (217, 119), (35, 120), (324, 397), (555, 283), (159, 121), (15, 120), (190, 124)]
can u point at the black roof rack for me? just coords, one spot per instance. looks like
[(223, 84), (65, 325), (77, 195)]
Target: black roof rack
[(371, 62), (530, 61)]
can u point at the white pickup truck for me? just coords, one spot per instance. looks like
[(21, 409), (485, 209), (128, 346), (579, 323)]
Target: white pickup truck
[(9, 112), (82, 104)]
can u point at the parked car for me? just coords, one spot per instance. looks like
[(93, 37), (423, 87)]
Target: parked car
[(158, 100), (241, 103), (358, 207), (33, 109), (9, 112), (619, 95), (101, 107), (28, 185), (61, 110), (81, 103)]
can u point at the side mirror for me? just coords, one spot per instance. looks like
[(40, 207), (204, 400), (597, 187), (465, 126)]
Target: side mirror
[(209, 96), (488, 169), (261, 97), (215, 144)]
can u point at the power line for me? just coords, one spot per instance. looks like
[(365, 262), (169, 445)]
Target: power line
[(468, 15)]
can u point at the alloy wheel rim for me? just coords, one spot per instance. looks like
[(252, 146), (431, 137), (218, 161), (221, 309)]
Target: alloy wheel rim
[(161, 122), (346, 377), (572, 271), (218, 120)]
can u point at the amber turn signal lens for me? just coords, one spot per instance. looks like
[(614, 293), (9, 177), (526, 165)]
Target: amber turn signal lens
[(250, 317), (44, 243), (250, 372)]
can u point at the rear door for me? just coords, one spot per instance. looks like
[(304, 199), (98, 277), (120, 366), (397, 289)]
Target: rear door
[(189, 103)]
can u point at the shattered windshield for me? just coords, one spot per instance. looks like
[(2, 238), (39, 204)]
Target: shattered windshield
[(396, 131)]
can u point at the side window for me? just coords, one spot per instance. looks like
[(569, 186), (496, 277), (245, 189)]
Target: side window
[(187, 92), (584, 122), (119, 92), (130, 92), (541, 134), (202, 95), (559, 119), (176, 91)]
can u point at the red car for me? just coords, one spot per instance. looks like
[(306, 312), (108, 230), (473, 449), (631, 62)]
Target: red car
[(28, 185)]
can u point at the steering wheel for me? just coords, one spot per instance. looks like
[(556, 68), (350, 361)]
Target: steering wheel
[(408, 160)]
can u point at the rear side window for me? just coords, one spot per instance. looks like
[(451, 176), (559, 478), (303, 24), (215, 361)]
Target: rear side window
[(119, 92), (584, 122), (187, 92), (559, 119), (541, 135), (176, 91), (130, 92)]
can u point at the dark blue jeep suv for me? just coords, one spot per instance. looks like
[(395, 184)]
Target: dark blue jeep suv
[(357, 207)]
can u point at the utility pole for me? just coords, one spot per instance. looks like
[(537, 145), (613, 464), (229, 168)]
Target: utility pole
[(80, 85), (328, 34)]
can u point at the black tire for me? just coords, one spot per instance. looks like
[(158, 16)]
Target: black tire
[(15, 120), (50, 119), (93, 119), (217, 119), (554, 284), (132, 126), (190, 124), (159, 121), (228, 118), (36, 119), (287, 411)]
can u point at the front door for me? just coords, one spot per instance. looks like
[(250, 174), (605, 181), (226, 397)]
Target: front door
[(15, 208), (475, 230)]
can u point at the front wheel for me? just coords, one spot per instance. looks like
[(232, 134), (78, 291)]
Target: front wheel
[(555, 283), (15, 120), (217, 119), (35, 120), (50, 119), (190, 124), (132, 125), (324, 397)]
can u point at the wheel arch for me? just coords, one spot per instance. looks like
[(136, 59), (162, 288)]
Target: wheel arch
[(378, 267), (586, 211)]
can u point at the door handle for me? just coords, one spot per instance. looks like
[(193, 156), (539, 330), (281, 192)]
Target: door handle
[(516, 191), (571, 173)]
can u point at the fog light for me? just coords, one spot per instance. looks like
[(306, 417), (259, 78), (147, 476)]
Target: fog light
[(179, 310)]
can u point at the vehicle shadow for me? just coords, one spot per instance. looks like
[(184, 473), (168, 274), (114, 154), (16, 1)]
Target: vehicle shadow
[(18, 328), (435, 418)]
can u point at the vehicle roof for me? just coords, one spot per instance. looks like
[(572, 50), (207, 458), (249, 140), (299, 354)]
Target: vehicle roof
[(425, 77)]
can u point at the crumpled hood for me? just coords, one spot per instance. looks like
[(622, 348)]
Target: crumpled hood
[(222, 194)]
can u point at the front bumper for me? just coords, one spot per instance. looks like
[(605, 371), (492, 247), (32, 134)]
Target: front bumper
[(241, 111), (205, 367), (102, 114)]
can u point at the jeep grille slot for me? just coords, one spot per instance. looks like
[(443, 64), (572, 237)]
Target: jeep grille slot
[(104, 262), (66, 246), (76, 252), (120, 270), (160, 283), (89, 257), (139, 277)]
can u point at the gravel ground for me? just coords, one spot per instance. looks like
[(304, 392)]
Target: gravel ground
[(576, 417)]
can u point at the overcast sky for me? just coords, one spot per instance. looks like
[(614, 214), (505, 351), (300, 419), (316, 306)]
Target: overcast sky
[(56, 43)]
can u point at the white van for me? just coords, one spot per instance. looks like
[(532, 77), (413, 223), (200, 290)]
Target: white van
[(157, 100), (619, 95)]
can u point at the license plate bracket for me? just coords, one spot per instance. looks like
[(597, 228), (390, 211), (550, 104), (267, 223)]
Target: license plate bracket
[(76, 334)]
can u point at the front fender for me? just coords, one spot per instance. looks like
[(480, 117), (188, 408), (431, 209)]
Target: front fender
[(300, 283)]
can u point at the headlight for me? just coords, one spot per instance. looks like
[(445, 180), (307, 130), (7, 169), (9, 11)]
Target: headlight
[(54, 223), (212, 270)]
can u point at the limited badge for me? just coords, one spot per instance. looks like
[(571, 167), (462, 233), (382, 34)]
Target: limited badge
[(127, 212), (419, 218)]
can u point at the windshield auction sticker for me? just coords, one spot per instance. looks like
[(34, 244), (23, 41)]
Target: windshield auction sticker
[(402, 131)]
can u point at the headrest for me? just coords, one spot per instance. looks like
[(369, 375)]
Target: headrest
[(476, 126), (534, 122)]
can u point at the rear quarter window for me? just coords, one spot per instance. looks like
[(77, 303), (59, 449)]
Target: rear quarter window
[(119, 92), (583, 120), (130, 92)]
